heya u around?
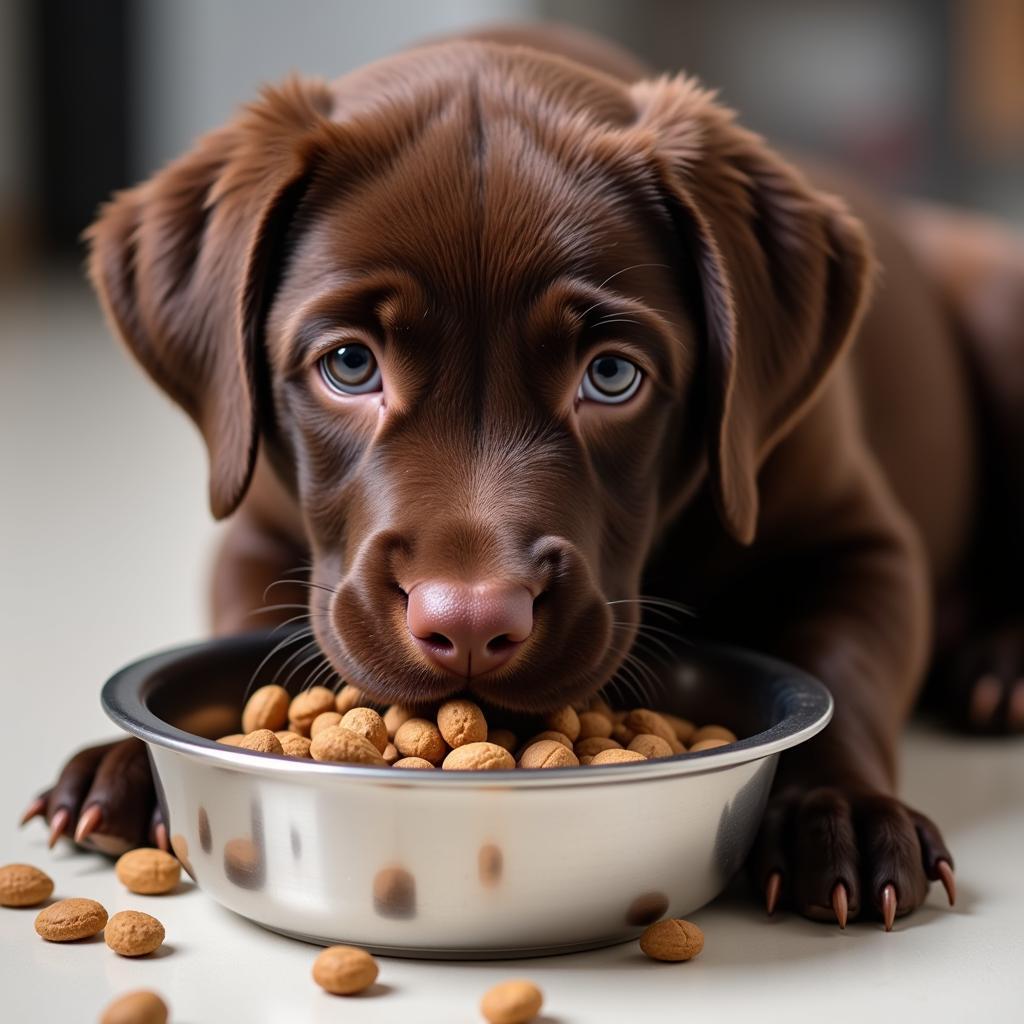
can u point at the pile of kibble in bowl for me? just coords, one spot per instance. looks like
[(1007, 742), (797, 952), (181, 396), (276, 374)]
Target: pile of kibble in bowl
[(322, 725)]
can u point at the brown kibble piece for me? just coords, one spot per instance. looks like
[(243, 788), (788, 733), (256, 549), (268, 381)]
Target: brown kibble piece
[(394, 717), (69, 920), (461, 722), (263, 741), (478, 757), (512, 1002), (592, 723), (713, 732), (594, 745), (622, 734), (709, 744), (601, 707), (643, 720), (323, 721), (419, 738), (233, 740), (148, 871), (132, 933), (267, 708), (566, 721), (503, 738), (394, 892), (650, 746), (390, 753), (368, 723), (616, 755), (412, 762), (22, 885), (292, 744), (682, 727), (141, 1007), (673, 940), (344, 970), (548, 754), (306, 706), (549, 734), (343, 746), (348, 697), (587, 759)]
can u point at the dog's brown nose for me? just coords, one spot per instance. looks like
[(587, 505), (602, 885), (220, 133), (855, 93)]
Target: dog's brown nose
[(469, 628)]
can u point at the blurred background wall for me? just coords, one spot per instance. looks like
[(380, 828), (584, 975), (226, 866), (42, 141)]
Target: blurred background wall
[(923, 96)]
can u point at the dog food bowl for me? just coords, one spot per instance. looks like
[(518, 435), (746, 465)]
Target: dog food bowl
[(461, 864)]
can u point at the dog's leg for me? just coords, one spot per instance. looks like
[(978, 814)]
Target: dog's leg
[(978, 265), (843, 592), (104, 796)]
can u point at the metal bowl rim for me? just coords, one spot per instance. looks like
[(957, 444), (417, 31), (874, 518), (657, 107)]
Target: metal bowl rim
[(122, 700)]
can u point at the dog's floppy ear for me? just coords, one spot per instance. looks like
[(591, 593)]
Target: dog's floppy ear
[(784, 275), (185, 265)]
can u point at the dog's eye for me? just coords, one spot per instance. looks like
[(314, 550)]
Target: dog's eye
[(351, 370), (610, 379)]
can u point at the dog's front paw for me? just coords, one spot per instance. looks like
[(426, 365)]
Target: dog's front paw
[(104, 798), (837, 855)]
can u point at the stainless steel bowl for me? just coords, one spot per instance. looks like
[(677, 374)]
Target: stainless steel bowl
[(461, 864)]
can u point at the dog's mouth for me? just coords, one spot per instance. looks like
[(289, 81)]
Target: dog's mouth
[(565, 660)]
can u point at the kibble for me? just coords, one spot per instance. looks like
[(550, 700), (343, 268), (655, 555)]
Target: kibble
[(338, 728), (461, 722), (650, 746), (565, 721), (713, 732), (616, 755), (132, 933), (141, 1007), (419, 738), (674, 940), (292, 744), (70, 920), (306, 706), (475, 757), (148, 871), (267, 708), (344, 970), (512, 1002), (344, 746), (263, 741), (22, 885), (348, 697), (323, 721), (366, 722), (548, 754)]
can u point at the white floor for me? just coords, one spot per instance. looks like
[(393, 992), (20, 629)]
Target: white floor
[(103, 549)]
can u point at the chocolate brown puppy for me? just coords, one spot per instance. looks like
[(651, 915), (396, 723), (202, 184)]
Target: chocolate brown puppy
[(505, 337)]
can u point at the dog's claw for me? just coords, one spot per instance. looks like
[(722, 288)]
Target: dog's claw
[(771, 892), (889, 906), (948, 879), (58, 823), (33, 810), (90, 820), (840, 903)]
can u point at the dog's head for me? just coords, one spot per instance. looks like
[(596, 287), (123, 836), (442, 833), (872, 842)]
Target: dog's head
[(495, 319)]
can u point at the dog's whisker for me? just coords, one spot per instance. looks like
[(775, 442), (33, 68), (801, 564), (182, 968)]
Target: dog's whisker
[(316, 655), (300, 634), (656, 602)]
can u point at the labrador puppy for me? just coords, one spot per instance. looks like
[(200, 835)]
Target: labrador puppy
[(507, 340)]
